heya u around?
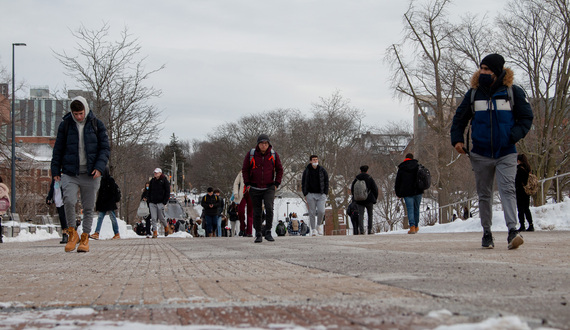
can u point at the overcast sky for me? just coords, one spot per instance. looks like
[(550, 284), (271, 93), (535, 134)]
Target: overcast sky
[(228, 58)]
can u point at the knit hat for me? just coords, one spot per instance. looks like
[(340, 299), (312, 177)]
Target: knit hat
[(157, 170), (262, 138), (495, 62)]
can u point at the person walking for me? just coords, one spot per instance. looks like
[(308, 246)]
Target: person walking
[(262, 172), (523, 200), (210, 204), (243, 200), (406, 187), (80, 154), (158, 195), (55, 196), (500, 116), (107, 198), (352, 212), (219, 215), (364, 186), (315, 186)]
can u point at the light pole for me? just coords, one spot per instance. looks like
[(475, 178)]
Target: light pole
[(287, 216), (13, 197)]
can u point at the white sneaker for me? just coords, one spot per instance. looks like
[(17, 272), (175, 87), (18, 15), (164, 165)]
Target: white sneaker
[(320, 230)]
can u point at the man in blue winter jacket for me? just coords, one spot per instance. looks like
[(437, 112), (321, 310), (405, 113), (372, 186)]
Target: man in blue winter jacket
[(500, 116), (80, 155)]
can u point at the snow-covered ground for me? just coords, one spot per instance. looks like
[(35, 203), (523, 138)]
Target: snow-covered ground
[(547, 217)]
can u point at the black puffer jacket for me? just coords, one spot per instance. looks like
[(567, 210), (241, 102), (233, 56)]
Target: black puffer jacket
[(407, 179), (65, 156)]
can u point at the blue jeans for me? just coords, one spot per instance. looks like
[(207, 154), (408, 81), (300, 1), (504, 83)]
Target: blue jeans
[(113, 222), (210, 220), (219, 223), (413, 206)]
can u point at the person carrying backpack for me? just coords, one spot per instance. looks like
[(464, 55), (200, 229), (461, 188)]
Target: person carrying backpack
[(500, 116), (280, 228), (406, 187), (365, 192), (262, 172)]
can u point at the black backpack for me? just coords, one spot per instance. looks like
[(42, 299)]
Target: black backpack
[(423, 178)]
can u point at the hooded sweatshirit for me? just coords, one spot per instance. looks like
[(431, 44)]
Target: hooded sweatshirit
[(80, 148)]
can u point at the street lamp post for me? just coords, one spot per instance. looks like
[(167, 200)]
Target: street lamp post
[(12, 117)]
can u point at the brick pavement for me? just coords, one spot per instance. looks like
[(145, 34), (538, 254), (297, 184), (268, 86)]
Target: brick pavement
[(216, 281)]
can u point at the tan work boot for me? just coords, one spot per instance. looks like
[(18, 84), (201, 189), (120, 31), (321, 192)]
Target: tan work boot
[(166, 231), (117, 236), (155, 234), (417, 228), (72, 240), (412, 230), (95, 235), (84, 243)]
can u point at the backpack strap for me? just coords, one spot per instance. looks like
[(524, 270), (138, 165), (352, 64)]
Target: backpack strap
[(511, 97)]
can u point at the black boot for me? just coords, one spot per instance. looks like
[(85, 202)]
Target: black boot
[(64, 239), (268, 236), (522, 228), (530, 227), (258, 238)]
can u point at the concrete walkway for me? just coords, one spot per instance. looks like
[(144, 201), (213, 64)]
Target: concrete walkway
[(380, 281)]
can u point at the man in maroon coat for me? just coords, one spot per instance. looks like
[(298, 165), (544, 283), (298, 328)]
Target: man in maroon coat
[(262, 173)]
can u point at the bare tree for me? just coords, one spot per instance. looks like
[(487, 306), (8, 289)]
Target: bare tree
[(537, 38), (431, 79)]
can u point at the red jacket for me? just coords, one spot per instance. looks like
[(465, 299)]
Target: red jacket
[(262, 171)]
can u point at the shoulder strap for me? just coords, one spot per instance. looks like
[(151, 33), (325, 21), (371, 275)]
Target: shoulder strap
[(511, 97), (473, 92)]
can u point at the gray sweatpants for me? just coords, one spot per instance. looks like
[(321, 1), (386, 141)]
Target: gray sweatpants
[(157, 213), (505, 168), (87, 187), (316, 204)]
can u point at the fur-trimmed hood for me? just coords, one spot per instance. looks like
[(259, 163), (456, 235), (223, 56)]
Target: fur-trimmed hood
[(508, 79)]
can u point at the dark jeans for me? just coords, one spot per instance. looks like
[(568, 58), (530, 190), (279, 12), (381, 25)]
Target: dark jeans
[(368, 208), (259, 198), (211, 222), (62, 219), (355, 226)]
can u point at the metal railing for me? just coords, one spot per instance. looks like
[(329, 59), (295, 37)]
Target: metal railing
[(558, 190), (475, 205)]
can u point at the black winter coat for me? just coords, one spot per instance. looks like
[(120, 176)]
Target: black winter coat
[(521, 179), (65, 156), (370, 185), (407, 179), (107, 196), (323, 180), (208, 200), (159, 190)]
